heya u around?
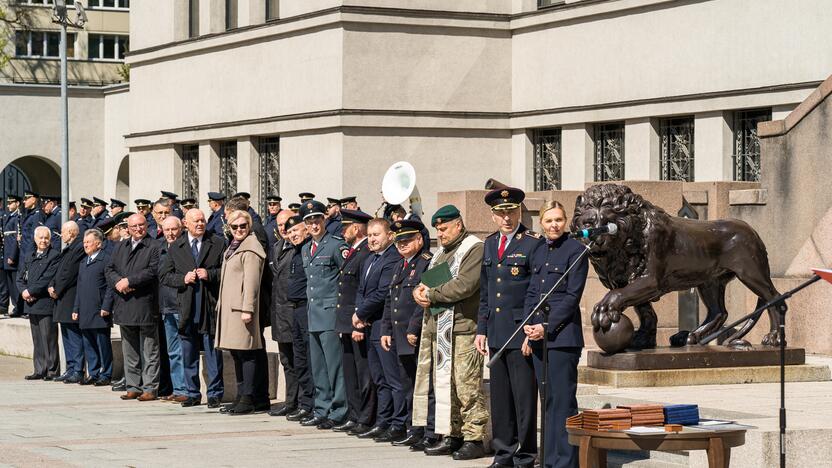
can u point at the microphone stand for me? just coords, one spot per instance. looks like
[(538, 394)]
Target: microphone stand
[(779, 300), (544, 380)]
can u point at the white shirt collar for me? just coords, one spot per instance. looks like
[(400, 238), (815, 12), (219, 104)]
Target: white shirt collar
[(509, 237), (191, 239)]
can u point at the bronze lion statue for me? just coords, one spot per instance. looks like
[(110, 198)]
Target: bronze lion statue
[(654, 253)]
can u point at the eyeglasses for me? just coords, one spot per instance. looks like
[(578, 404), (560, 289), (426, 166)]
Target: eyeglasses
[(238, 227)]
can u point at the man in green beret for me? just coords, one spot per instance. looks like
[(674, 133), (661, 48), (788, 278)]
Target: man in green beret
[(461, 413)]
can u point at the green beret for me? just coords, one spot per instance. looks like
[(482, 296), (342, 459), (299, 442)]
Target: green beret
[(444, 214)]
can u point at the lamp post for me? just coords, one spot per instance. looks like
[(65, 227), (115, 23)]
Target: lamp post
[(60, 16)]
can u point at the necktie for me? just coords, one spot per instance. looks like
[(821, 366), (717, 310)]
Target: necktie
[(195, 248), (373, 262), (405, 265), (352, 251), (89, 260), (502, 249), (313, 248)]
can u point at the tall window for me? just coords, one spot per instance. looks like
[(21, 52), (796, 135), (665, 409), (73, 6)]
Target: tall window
[(42, 44), (272, 10), (747, 143), (107, 46), (609, 151), (547, 159), (190, 171), (548, 3), (193, 18), (33, 2), (228, 167), (104, 4), (676, 161), (269, 149), (230, 14), (13, 181)]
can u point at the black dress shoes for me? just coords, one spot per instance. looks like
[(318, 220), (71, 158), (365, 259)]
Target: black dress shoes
[(120, 385), (34, 377), (408, 440), (470, 450), (214, 402), (230, 406), (499, 465), (447, 446), (282, 411), (373, 433), (192, 401), (345, 427), (243, 407), (87, 381), (390, 435), (327, 425), (313, 422), (102, 382), (73, 379), (358, 429), (299, 415), (61, 377), (424, 443), (50, 377)]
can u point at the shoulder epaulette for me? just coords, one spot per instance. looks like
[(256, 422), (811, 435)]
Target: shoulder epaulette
[(533, 234), (337, 237), (427, 256)]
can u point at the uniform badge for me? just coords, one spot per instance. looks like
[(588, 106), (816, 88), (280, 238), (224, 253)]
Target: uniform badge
[(515, 271), (438, 220), (518, 236), (398, 225), (345, 253), (309, 206), (504, 194), (412, 272)]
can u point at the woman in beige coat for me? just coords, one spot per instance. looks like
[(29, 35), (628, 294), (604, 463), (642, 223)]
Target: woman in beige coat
[(238, 310)]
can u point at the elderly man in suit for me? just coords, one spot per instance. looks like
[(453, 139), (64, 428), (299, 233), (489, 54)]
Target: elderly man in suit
[(92, 309), (133, 273), (62, 289), (192, 266), (33, 283)]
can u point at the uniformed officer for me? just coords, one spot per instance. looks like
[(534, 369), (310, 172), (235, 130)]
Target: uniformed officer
[(333, 216), (504, 279), (175, 209), (11, 256), (216, 221), (361, 392), (306, 196), (402, 323), (52, 211), (296, 294), (350, 203), (322, 260), (559, 327), (187, 204), (272, 209), (84, 217), (397, 213), (73, 211), (294, 207), (99, 212), (161, 210), (373, 289), (32, 218), (247, 197), (116, 206)]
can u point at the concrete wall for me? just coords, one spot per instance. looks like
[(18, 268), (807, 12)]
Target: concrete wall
[(115, 150), (30, 125)]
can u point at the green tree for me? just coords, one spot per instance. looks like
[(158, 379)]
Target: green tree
[(11, 20)]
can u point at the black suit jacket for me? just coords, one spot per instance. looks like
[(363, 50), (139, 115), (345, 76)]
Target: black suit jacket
[(141, 268), (66, 280), (35, 276), (348, 287), (373, 288), (178, 262)]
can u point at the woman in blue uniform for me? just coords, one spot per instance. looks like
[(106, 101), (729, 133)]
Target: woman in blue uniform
[(562, 336)]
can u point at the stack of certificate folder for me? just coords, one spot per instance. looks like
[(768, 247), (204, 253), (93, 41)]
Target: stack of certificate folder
[(646, 415), (681, 414), (607, 419)]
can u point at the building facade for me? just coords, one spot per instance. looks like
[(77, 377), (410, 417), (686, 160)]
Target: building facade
[(287, 96)]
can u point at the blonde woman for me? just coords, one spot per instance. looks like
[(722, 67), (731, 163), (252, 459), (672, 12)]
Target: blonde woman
[(238, 308), (562, 337)]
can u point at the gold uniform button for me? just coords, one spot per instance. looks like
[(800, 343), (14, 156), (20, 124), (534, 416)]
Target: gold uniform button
[(498, 294), (338, 306), (498, 309), (498, 280), (498, 265)]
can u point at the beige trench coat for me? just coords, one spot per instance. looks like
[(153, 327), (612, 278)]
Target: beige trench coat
[(240, 292)]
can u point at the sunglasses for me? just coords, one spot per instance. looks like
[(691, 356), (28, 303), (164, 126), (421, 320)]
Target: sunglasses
[(238, 227)]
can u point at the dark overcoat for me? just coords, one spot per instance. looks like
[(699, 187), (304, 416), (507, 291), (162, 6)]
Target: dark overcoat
[(280, 262), (93, 294), (141, 268), (35, 276), (65, 280)]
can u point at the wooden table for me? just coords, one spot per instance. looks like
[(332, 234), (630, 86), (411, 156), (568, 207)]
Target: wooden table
[(593, 445)]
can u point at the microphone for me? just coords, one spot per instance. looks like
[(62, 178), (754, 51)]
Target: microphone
[(591, 233)]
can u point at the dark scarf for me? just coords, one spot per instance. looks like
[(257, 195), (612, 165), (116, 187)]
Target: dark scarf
[(232, 248)]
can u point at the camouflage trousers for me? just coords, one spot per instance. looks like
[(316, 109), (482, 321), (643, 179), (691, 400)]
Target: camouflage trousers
[(469, 414)]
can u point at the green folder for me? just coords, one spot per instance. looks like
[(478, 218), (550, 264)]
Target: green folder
[(437, 276)]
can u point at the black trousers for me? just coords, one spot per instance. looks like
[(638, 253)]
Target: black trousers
[(261, 373), (300, 343), (245, 370), (165, 383), (361, 392), (513, 408), (45, 342), (561, 403), (287, 361), (10, 278)]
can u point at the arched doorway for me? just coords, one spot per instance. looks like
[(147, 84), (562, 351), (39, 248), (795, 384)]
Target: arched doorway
[(123, 180), (31, 173)]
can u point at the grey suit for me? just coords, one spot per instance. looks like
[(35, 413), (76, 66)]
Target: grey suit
[(322, 270)]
